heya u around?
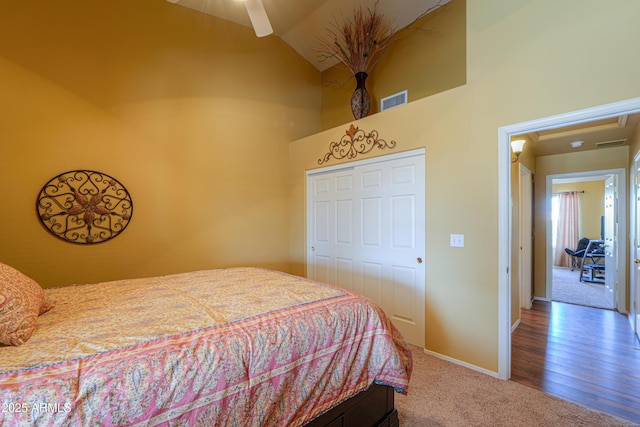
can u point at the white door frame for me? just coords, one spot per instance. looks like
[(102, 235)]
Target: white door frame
[(504, 206), (634, 274), (620, 297)]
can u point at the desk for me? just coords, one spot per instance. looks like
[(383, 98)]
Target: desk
[(593, 262)]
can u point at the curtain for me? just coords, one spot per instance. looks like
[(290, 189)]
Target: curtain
[(567, 231)]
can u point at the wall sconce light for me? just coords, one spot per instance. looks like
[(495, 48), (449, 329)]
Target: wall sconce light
[(517, 146)]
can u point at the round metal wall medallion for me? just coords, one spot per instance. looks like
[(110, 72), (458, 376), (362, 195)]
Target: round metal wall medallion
[(84, 206)]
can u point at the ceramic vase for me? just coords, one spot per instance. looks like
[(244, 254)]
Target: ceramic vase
[(360, 100)]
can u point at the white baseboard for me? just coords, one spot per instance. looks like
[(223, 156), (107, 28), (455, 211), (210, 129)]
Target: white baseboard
[(461, 363), (515, 325)]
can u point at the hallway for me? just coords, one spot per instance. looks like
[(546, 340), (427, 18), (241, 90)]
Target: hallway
[(585, 355)]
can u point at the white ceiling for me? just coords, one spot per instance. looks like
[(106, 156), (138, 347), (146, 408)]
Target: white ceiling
[(300, 22)]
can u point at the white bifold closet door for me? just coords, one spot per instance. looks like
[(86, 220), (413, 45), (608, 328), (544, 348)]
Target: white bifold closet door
[(366, 233)]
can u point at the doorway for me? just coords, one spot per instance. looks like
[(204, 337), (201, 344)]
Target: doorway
[(601, 216), (504, 209), (525, 234), (635, 245)]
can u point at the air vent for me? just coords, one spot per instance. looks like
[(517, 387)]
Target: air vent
[(607, 144), (399, 98)]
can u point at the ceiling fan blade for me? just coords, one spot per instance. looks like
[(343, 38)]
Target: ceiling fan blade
[(259, 18)]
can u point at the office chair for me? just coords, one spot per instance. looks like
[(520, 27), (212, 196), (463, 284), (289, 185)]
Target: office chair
[(576, 256)]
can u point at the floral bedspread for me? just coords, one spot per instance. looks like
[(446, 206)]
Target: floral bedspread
[(230, 347)]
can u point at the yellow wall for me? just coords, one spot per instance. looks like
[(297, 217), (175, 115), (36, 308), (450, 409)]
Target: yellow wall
[(191, 113), (427, 57), (634, 146), (194, 116), (515, 73)]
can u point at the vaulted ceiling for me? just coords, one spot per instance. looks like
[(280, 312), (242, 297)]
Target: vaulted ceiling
[(300, 22)]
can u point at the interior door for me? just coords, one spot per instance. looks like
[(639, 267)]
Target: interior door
[(330, 229), (610, 239), (366, 234), (525, 230), (635, 284)]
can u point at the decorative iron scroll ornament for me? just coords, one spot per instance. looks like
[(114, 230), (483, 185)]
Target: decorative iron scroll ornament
[(84, 206), (355, 142)]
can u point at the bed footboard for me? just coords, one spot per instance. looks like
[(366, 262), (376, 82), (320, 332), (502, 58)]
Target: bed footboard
[(373, 407)]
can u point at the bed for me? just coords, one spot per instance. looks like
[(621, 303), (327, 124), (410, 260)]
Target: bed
[(227, 347)]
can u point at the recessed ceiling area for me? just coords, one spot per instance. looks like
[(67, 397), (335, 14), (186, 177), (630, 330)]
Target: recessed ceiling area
[(599, 134), (301, 22)]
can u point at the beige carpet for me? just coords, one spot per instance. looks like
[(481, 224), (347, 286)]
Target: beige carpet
[(442, 394), (568, 288)]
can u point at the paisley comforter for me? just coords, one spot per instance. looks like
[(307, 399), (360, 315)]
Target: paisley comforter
[(229, 347)]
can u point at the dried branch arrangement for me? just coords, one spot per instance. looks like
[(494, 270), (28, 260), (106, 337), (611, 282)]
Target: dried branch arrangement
[(358, 43), (361, 42)]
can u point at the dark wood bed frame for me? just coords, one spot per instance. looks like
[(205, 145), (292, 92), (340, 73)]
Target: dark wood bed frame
[(373, 407)]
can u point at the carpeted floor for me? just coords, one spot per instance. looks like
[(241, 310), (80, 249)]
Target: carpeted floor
[(443, 394), (568, 288)]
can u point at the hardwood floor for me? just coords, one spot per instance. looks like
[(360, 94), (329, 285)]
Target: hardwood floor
[(581, 354)]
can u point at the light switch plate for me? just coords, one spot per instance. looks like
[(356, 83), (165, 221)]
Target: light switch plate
[(457, 240)]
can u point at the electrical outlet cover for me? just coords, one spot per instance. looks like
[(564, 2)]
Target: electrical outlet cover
[(457, 240)]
